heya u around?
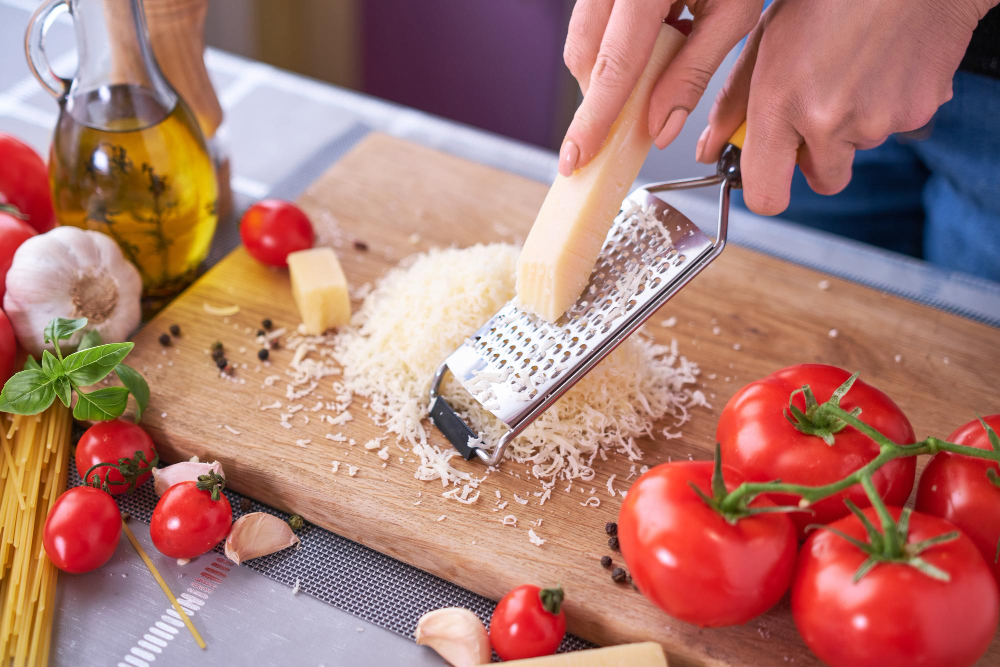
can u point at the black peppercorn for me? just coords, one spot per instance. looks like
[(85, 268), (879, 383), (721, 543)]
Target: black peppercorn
[(611, 528), (244, 504), (605, 561), (360, 245), (175, 330), (217, 353), (221, 362), (613, 542), (260, 332), (618, 575), (266, 323), (164, 340), (262, 354), (296, 522), (217, 345)]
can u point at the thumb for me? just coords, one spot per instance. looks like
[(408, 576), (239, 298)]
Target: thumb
[(716, 30)]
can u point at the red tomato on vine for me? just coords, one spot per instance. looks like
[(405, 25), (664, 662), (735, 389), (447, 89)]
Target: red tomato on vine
[(962, 489), (82, 530), (117, 446), (937, 609), (760, 442), (692, 561)]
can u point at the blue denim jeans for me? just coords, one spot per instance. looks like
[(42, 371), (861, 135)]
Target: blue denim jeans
[(936, 198)]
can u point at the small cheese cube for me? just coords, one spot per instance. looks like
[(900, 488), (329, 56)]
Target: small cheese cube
[(320, 289), (645, 654)]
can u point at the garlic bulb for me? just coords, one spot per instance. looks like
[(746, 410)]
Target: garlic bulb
[(185, 471), (258, 534), (70, 272), (456, 634)]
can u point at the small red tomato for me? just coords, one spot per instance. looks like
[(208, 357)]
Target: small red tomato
[(8, 348), (13, 232), (108, 442), (271, 229), (690, 560), (82, 530), (957, 488), (24, 183), (187, 522), (528, 622), (758, 440), (895, 615)]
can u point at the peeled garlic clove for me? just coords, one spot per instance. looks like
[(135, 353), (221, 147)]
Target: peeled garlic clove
[(187, 471), (258, 534), (457, 635)]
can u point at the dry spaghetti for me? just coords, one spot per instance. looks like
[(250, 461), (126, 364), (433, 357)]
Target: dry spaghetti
[(33, 467)]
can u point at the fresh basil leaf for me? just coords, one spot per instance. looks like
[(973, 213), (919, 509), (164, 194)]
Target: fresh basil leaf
[(100, 405), (51, 366), (90, 339), (64, 390), (27, 393), (92, 365), (31, 363), (61, 327), (136, 386)]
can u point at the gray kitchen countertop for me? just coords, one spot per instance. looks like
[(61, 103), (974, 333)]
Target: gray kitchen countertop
[(276, 121)]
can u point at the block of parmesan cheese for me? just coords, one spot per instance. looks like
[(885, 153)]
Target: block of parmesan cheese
[(563, 244), (646, 654), (320, 289)]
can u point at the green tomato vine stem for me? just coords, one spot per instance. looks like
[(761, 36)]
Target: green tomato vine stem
[(742, 495)]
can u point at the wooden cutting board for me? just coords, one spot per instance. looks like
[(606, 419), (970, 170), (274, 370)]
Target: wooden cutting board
[(400, 198)]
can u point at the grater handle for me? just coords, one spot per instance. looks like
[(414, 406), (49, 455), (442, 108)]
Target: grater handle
[(453, 427)]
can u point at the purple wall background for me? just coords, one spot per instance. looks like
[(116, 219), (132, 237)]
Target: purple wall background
[(495, 64)]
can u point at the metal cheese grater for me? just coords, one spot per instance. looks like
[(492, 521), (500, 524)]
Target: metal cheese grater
[(517, 364)]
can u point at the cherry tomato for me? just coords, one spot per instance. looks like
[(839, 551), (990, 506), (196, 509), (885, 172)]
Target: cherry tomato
[(271, 229), (763, 445), (82, 530), (521, 626), (13, 233), (693, 563), (956, 488), (8, 348), (107, 442), (24, 183), (895, 615), (187, 522)]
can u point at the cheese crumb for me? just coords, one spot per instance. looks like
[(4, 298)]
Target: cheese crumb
[(824, 284), (669, 322), (535, 539)]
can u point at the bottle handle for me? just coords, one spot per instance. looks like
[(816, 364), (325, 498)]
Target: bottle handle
[(34, 47)]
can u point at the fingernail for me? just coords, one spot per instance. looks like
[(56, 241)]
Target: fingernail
[(671, 128), (569, 155), (699, 150)]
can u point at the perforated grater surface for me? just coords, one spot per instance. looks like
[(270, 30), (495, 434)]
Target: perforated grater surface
[(517, 364)]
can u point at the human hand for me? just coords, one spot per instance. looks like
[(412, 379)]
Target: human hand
[(609, 44), (818, 80)]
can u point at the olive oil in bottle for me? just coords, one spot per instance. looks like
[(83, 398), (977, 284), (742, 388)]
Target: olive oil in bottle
[(128, 157), (128, 167)]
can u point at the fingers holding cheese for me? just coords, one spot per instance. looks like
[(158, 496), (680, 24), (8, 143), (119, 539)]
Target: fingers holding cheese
[(562, 247)]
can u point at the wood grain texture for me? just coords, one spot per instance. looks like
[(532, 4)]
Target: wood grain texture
[(385, 191)]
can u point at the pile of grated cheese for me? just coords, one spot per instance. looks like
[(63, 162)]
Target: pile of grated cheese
[(421, 311)]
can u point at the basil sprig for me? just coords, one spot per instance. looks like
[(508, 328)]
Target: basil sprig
[(36, 387)]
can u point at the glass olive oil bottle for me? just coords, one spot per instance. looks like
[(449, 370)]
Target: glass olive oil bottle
[(128, 157)]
